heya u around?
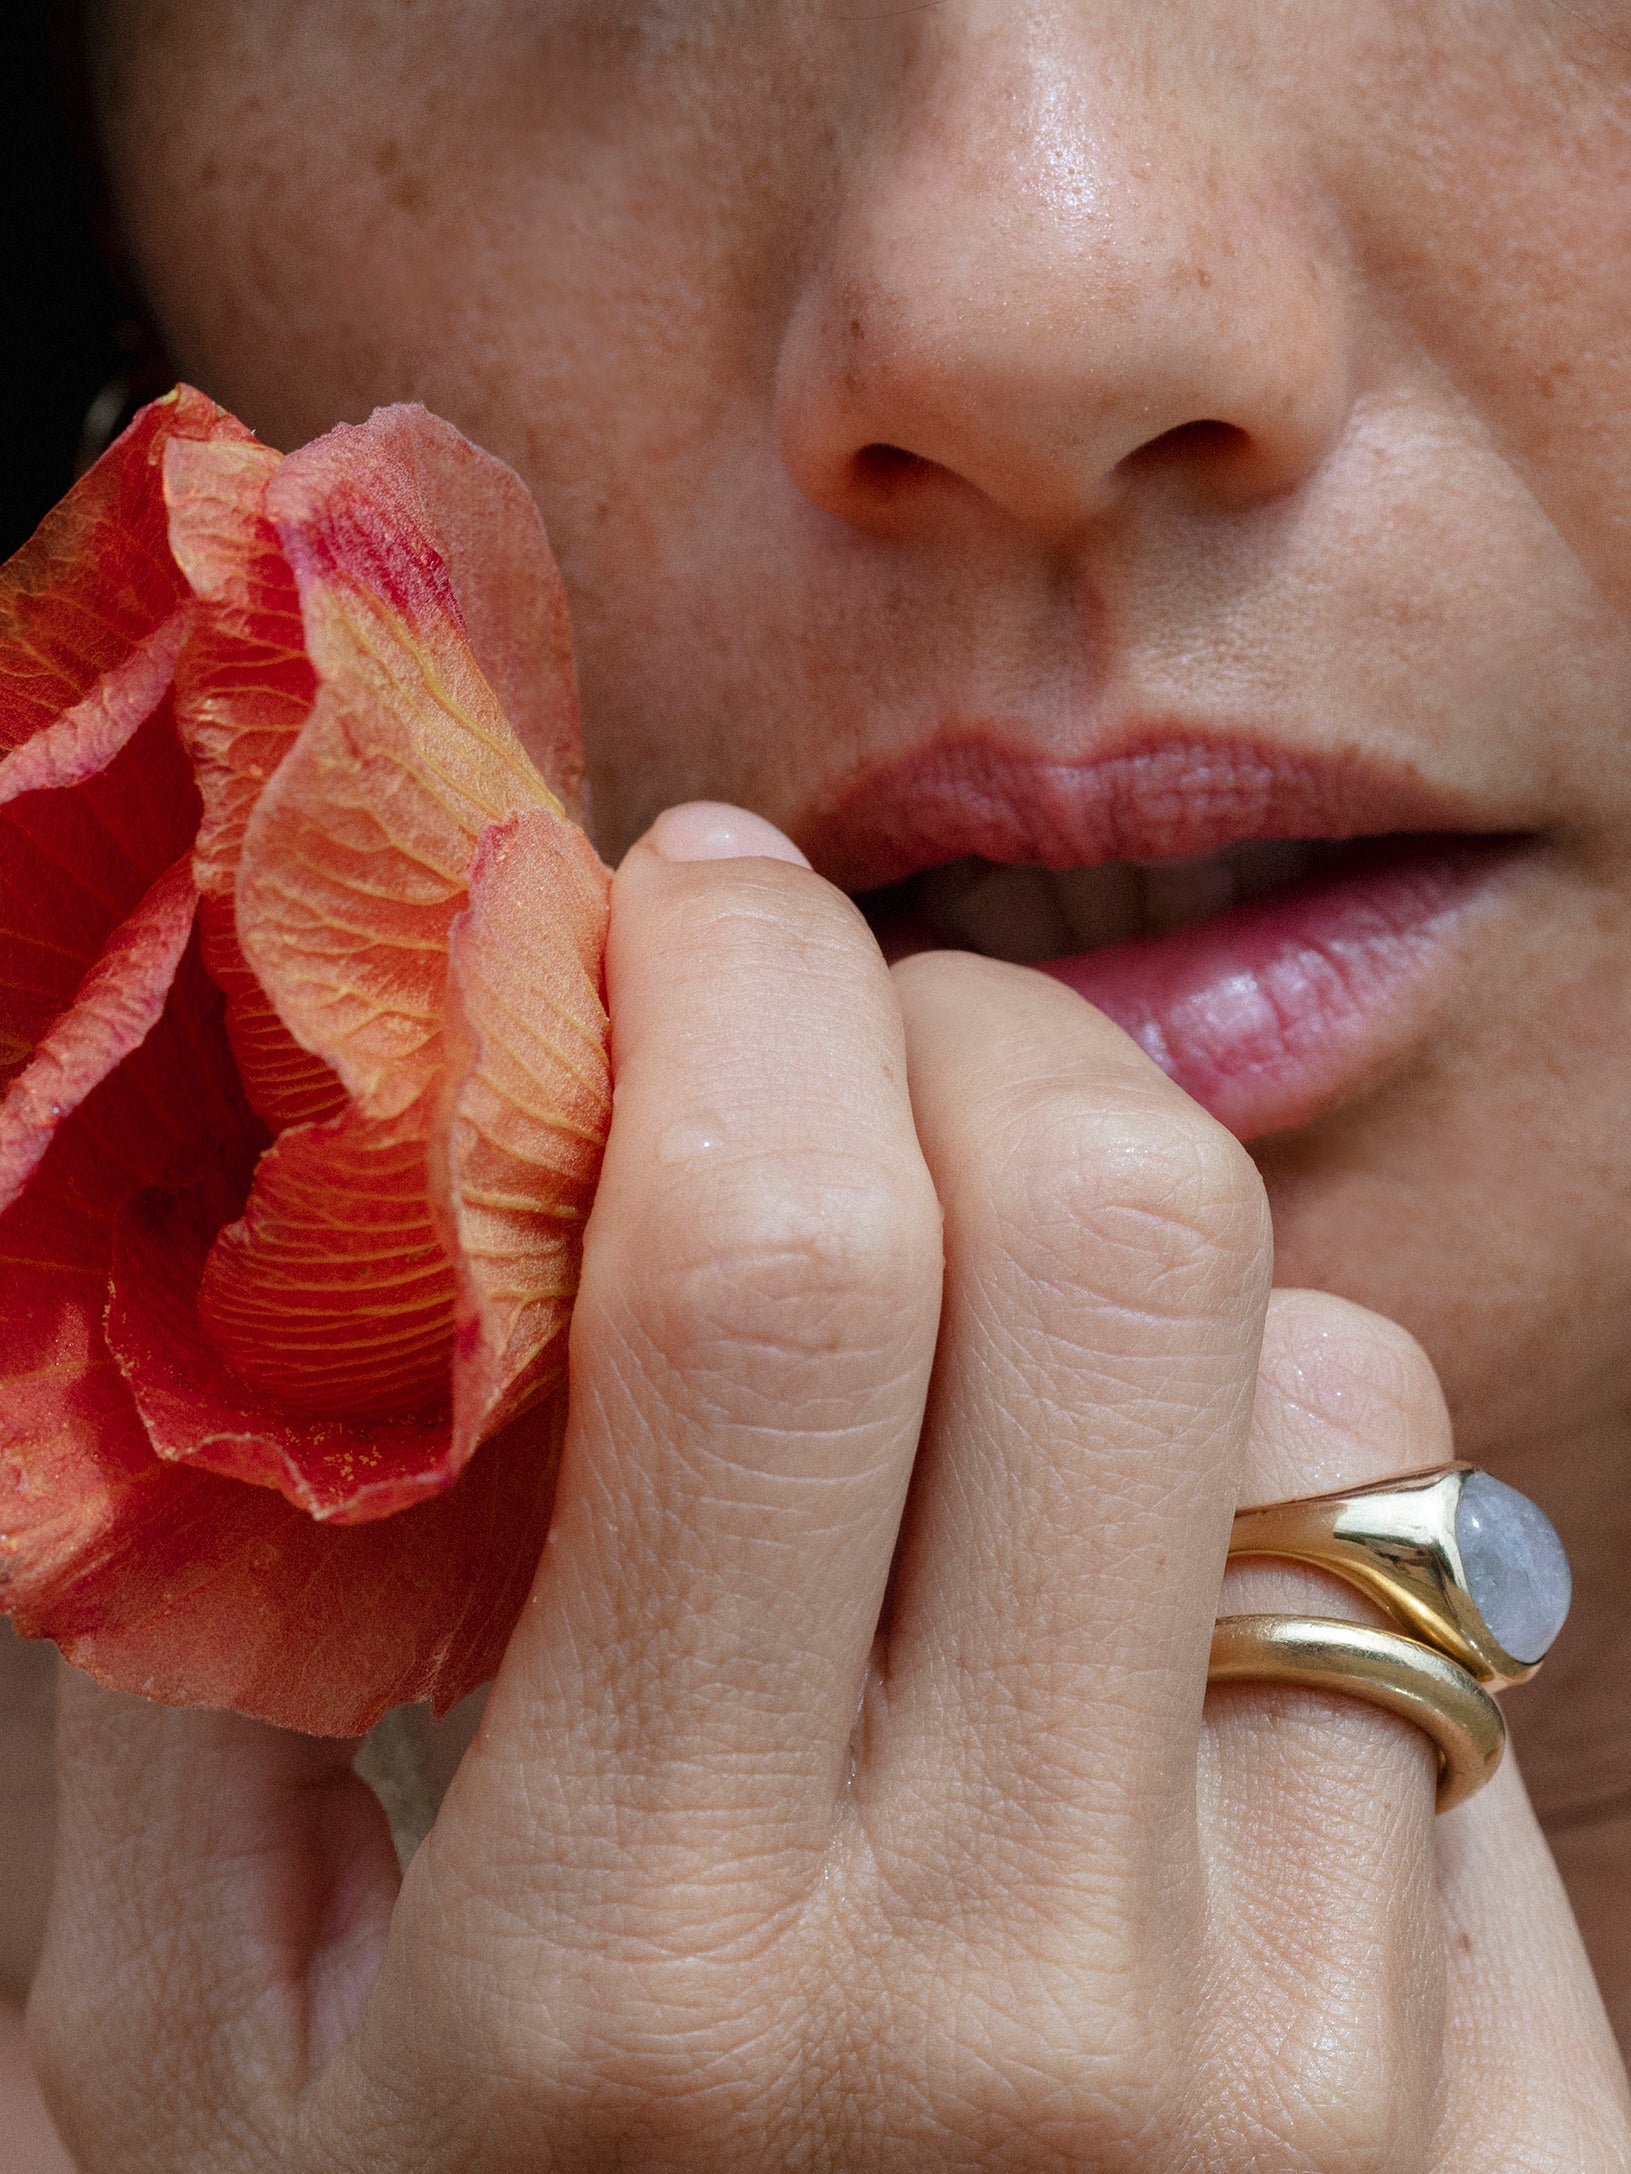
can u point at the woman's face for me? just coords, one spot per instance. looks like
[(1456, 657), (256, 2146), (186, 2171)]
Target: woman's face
[(1025, 432)]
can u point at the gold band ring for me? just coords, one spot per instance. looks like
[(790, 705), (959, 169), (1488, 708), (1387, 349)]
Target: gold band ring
[(1471, 1571), (1399, 1674)]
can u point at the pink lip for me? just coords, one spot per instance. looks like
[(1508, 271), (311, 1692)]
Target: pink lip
[(1266, 1014)]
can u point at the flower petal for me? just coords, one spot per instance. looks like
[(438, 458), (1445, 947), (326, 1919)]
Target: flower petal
[(117, 1005), (94, 584), (86, 738), (244, 684), (335, 1293), (95, 798), (527, 1109), (169, 1114), (479, 519), (177, 1584), (201, 1592), (199, 1412), (73, 865), (355, 860), (286, 1085)]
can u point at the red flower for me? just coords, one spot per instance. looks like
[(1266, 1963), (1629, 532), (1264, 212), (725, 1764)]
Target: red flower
[(303, 1064)]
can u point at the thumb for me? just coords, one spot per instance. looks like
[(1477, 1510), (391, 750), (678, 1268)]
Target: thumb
[(222, 1895)]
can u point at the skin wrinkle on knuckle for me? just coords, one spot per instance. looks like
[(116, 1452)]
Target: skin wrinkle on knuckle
[(782, 1272), (704, 1404), (1067, 1192)]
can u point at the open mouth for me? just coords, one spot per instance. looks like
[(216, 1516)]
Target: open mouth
[(1030, 915), (1272, 979), (1276, 927)]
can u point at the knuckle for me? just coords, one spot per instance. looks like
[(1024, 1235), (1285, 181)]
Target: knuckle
[(1336, 1379), (1146, 1181), (800, 1260)]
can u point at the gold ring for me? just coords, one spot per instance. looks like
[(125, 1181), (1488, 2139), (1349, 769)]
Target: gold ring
[(1400, 1674), (1454, 1556), (1470, 1570)]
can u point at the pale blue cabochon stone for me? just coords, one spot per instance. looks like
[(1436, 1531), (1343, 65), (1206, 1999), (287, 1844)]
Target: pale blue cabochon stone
[(1517, 1572)]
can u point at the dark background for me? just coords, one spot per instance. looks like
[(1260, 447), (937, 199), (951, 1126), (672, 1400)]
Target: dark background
[(63, 313)]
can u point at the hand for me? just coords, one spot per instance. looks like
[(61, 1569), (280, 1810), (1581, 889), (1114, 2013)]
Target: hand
[(771, 1856)]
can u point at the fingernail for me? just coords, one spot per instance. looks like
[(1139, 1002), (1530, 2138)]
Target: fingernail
[(712, 830)]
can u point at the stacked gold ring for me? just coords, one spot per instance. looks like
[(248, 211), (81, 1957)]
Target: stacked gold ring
[(1400, 1543)]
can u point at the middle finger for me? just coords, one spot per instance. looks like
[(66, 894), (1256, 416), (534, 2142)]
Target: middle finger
[(1107, 1268)]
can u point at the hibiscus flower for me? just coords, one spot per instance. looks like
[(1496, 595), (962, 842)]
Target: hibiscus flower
[(304, 1070)]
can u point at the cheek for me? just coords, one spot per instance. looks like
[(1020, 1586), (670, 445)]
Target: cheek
[(577, 252), (1482, 1198), (324, 212)]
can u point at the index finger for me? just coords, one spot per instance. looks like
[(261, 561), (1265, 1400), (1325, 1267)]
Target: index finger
[(750, 1354)]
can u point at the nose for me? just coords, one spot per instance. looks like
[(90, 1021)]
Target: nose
[(1047, 286)]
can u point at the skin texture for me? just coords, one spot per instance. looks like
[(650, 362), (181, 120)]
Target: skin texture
[(683, 263)]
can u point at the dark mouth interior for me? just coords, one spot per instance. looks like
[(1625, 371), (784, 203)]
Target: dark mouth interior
[(1026, 914)]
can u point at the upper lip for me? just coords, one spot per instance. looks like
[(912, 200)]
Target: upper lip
[(1154, 795)]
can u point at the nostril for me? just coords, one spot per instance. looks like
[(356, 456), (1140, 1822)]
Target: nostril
[(886, 467), (1204, 453), (1203, 441)]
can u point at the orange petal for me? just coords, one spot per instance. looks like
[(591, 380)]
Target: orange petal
[(355, 860), (199, 1413), (243, 685), (527, 1107), (480, 521), (174, 1583), (336, 1291), (117, 1006), (334, 1294), (285, 1084)]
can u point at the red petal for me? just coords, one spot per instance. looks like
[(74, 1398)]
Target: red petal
[(92, 614), (177, 1584), (201, 1592), (118, 1004), (73, 866), (198, 1412), (529, 1106), (86, 738), (94, 584), (168, 1114), (244, 684), (335, 1294)]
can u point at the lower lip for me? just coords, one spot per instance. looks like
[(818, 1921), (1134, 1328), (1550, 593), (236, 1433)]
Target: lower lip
[(1275, 1011)]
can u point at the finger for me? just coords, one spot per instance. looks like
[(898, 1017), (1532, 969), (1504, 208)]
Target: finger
[(1107, 1266), (32, 2143), (750, 1350), (1534, 2081), (1317, 1809), (221, 1902)]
